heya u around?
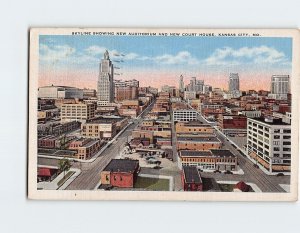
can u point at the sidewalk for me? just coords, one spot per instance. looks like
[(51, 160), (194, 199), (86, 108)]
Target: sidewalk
[(53, 185)]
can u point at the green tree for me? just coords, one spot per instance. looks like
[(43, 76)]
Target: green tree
[(64, 165)]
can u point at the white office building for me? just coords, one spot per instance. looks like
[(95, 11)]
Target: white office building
[(234, 82), (280, 87), (59, 92), (269, 143), (185, 115), (189, 95), (78, 112)]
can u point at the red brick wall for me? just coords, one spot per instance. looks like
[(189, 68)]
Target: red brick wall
[(193, 187), (122, 180)]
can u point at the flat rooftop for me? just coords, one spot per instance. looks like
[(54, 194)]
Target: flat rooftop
[(90, 143), (222, 153), (122, 165), (193, 153), (198, 139), (191, 175), (275, 121)]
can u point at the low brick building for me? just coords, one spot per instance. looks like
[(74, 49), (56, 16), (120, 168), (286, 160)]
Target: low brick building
[(191, 179), (193, 127), (120, 173), (233, 124), (198, 143), (221, 160), (86, 147)]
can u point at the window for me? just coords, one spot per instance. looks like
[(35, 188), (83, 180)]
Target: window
[(276, 136), (286, 149), (286, 131), (276, 149), (286, 137), (276, 130), (286, 143)]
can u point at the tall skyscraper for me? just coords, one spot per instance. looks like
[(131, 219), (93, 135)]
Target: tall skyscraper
[(105, 93), (195, 85), (280, 86), (234, 82), (181, 84)]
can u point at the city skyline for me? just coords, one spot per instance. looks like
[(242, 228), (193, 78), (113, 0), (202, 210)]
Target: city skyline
[(75, 60)]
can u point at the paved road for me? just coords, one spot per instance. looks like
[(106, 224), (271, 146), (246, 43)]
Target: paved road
[(90, 174)]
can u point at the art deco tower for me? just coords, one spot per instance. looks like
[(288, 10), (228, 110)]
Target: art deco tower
[(181, 84), (105, 88)]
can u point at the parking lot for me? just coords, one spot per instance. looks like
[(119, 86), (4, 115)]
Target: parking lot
[(149, 159)]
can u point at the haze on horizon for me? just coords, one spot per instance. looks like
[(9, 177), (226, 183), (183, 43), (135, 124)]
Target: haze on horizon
[(74, 60)]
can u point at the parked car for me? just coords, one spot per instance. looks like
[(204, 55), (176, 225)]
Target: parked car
[(280, 174)]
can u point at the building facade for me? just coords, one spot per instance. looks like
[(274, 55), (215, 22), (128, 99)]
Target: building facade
[(78, 112), (280, 87), (120, 173), (269, 143), (181, 84), (234, 82), (185, 115), (198, 143), (101, 129), (193, 127), (191, 179), (215, 159), (60, 92)]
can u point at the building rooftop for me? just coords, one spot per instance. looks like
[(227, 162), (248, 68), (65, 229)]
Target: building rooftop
[(45, 171), (196, 124), (104, 120), (272, 121), (191, 175), (90, 143), (198, 139), (222, 153), (122, 165), (193, 153)]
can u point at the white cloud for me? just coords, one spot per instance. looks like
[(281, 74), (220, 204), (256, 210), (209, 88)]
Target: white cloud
[(131, 56), (257, 55), (55, 53), (183, 57), (95, 50)]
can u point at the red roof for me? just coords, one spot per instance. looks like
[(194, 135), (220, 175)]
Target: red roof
[(44, 171), (242, 186)]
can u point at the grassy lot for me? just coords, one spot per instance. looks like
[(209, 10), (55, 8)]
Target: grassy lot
[(64, 179), (152, 184), (226, 187), (229, 188)]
